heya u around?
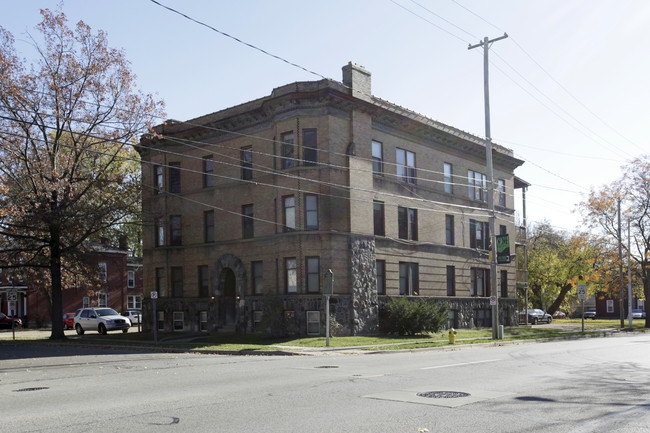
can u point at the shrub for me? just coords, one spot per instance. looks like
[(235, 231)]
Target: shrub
[(411, 317)]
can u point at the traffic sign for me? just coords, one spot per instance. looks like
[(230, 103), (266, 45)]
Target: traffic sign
[(582, 290), (493, 300), (154, 295), (12, 296)]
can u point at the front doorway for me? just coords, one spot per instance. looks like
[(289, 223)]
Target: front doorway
[(229, 300)]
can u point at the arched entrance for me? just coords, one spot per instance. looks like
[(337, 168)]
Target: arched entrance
[(229, 288), (229, 300)]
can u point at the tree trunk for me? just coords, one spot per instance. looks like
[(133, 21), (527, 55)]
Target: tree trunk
[(55, 273), (560, 298)]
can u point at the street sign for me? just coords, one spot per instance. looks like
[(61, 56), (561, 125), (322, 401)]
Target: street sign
[(493, 300), (12, 296), (154, 295), (582, 290), (503, 249), (328, 282)]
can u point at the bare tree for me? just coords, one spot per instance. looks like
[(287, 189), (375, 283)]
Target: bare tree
[(67, 122)]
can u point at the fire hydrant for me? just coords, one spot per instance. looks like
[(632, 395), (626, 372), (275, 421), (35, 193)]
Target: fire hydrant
[(452, 335)]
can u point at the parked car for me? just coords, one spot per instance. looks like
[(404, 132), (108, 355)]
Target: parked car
[(559, 314), (68, 320), (536, 315), (5, 321), (638, 314), (101, 319), (133, 315), (590, 314)]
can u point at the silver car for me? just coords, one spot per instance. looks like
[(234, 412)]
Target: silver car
[(100, 319), (134, 316)]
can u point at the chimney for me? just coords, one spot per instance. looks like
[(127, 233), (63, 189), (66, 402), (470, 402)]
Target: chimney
[(357, 78)]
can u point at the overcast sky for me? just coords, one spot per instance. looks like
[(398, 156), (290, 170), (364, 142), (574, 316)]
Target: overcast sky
[(569, 87)]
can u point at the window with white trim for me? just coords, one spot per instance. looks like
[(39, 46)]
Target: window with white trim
[(178, 319), (102, 300), (134, 302), (102, 273), (130, 279), (476, 185), (203, 321), (405, 164), (313, 322)]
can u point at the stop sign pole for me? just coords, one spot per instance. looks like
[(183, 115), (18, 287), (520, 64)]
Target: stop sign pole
[(154, 296)]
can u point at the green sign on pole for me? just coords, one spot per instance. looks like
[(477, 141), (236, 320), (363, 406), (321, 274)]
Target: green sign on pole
[(503, 249)]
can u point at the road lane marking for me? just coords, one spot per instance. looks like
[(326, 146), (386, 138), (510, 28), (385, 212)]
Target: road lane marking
[(460, 365)]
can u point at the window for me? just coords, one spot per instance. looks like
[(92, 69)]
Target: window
[(204, 281), (178, 318), (503, 230), (378, 217), (313, 274), (247, 221), (258, 280), (177, 281), (408, 279), (407, 221), (85, 303), (313, 322), (102, 300), (311, 211), (287, 150), (158, 179), (160, 232), (161, 320), (483, 318), (175, 177), (102, 272), (448, 178), (246, 157), (161, 285), (290, 276), (208, 172), (289, 204), (502, 192), (203, 321), (130, 279), (134, 302), (380, 274), (504, 284), (309, 147), (477, 185), (405, 166), (451, 281), (175, 230), (257, 319), (480, 284), (479, 235), (449, 230), (377, 158), (208, 226)]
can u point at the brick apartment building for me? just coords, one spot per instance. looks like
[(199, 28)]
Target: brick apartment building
[(265, 197)]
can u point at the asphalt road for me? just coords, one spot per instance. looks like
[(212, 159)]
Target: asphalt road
[(589, 385)]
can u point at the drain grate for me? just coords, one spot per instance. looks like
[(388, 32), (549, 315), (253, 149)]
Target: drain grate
[(443, 394), (39, 388)]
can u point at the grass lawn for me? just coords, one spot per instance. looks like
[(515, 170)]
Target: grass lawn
[(256, 343)]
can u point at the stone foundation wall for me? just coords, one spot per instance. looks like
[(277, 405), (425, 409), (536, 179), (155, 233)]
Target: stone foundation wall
[(365, 306)]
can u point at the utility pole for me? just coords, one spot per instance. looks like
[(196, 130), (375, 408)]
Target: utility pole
[(620, 267), (490, 175)]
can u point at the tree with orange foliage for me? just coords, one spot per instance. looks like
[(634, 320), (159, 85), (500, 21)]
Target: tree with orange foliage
[(67, 124), (556, 261), (600, 212)]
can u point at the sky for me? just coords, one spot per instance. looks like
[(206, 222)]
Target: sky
[(569, 90)]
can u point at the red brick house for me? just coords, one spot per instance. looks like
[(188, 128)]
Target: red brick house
[(120, 287)]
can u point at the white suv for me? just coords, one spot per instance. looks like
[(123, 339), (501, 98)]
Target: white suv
[(101, 319)]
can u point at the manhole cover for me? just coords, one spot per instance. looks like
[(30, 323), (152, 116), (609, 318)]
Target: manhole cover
[(443, 394), (327, 366), (31, 389)]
